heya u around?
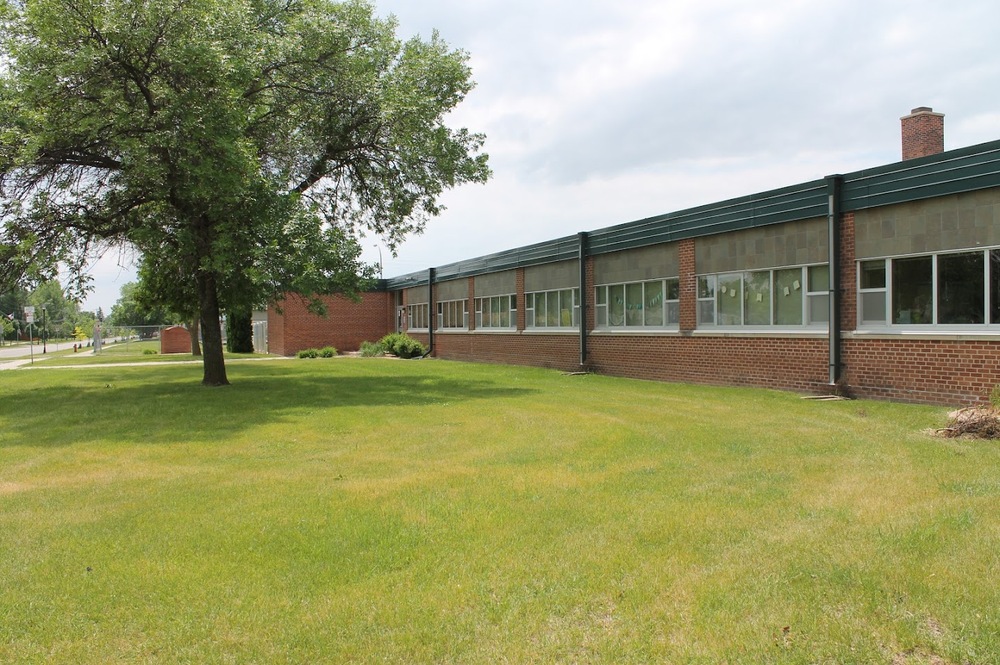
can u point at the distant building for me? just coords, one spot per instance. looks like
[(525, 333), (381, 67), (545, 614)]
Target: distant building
[(903, 259)]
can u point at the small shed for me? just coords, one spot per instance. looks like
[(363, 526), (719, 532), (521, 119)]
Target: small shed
[(175, 339)]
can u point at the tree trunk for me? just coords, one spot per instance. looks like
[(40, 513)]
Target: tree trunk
[(194, 329), (211, 332)]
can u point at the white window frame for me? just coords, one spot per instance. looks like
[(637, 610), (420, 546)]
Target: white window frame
[(531, 299), (416, 311), (506, 303), (708, 310), (886, 324), (453, 308), (670, 317)]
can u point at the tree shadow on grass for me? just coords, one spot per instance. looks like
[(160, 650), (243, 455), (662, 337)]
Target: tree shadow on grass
[(138, 406)]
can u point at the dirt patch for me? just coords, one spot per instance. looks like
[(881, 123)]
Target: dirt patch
[(976, 421)]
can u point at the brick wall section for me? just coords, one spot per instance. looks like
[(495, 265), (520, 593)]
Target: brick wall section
[(798, 364), (561, 351), (345, 326), (933, 371), (519, 290), (848, 275), (922, 133), (175, 339), (688, 285)]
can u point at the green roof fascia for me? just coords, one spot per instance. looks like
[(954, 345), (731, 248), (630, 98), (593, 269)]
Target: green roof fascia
[(803, 201), (560, 249), (953, 172)]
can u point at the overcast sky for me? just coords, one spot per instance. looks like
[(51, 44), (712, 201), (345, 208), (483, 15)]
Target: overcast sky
[(598, 113)]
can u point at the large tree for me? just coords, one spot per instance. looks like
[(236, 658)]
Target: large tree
[(245, 143)]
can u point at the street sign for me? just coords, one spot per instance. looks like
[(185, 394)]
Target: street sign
[(29, 314)]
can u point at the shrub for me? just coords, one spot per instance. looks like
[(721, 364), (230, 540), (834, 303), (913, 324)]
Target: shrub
[(307, 353), (402, 345), (149, 352), (327, 352), (371, 349), (995, 397)]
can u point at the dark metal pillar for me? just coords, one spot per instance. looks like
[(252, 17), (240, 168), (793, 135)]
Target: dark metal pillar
[(834, 196)]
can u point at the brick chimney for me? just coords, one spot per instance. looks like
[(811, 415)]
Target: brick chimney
[(923, 132)]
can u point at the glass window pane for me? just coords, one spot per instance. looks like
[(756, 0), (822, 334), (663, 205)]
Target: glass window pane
[(633, 304), (673, 312), (706, 312), (616, 305), (873, 274), (819, 278), (788, 297), (566, 308), (757, 290), (912, 299), (730, 300), (706, 286), (961, 288), (819, 308), (552, 309), (653, 295), (873, 307), (673, 289)]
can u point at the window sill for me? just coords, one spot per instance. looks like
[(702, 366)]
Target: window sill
[(636, 331), (761, 332), (929, 334)]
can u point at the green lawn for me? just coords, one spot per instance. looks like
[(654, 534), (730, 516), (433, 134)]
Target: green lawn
[(379, 511)]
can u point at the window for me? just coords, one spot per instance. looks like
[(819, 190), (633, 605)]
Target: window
[(781, 297), (953, 289), (417, 316), (649, 304), (912, 287), (872, 292), (552, 309), (706, 300), (496, 312), (818, 294), (453, 314)]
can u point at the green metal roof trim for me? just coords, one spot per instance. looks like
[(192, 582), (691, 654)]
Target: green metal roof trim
[(788, 204), (560, 249), (952, 172)]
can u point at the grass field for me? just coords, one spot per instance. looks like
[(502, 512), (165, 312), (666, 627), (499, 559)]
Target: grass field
[(377, 511)]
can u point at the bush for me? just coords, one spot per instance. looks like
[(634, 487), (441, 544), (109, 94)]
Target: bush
[(149, 352), (995, 397), (327, 352), (371, 349), (307, 353), (402, 345)]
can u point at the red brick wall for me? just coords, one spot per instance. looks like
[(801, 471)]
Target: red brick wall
[(688, 285), (922, 133), (785, 363), (560, 352), (930, 371), (346, 325), (848, 275), (175, 339)]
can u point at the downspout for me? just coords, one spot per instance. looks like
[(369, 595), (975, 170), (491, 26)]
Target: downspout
[(582, 241), (431, 312), (834, 196)]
